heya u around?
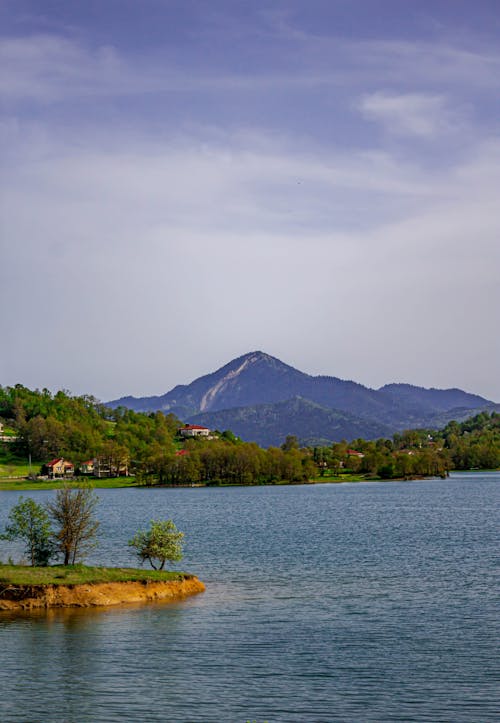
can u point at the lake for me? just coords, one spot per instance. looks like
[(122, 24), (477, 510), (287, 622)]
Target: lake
[(353, 602)]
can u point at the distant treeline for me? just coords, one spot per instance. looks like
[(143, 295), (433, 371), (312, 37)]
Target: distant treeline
[(79, 428)]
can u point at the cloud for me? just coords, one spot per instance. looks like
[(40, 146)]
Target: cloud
[(411, 114), (434, 64), (46, 68), (249, 182), (147, 244), (49, 68), (176, 240)]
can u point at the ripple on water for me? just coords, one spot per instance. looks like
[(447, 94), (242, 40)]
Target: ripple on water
[(326, 603)]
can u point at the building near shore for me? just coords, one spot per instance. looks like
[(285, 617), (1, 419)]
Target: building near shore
[(59, 468)]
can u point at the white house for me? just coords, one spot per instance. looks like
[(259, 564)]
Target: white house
[(194, 430)]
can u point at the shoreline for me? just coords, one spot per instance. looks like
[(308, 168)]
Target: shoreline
[(22, 484), (102, 594)]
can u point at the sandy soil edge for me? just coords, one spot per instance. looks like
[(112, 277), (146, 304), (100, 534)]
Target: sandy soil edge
[(113, 593)]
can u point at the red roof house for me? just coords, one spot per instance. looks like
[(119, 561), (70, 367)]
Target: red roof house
[(194, 430), (60, 468)]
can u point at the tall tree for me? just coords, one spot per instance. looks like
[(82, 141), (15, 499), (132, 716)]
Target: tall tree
[(73, 512)]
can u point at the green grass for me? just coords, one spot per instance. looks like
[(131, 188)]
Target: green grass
[(25, 485), (347, 477), (15, 468), (80, 575)]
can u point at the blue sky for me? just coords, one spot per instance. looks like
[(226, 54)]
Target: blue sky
[(183, 182)]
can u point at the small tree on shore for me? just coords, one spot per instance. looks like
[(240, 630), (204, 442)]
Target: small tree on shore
[(73, 512), (30, 522), (160, 543)]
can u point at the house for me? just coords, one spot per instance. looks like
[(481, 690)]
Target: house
[(105, 466), (355, 453), (194, 430), (87, 467), (59, 468), (181, 453)]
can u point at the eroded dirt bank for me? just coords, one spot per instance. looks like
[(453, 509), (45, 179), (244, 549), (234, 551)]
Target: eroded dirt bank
[(28, 597)]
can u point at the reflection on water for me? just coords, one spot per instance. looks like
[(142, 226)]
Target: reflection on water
[(326, 603)]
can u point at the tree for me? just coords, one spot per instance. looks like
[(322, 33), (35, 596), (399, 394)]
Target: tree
[(73, 512), (160, 543), (291, 442), (30, 522)]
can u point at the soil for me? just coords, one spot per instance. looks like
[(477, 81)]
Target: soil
[(29, 597)]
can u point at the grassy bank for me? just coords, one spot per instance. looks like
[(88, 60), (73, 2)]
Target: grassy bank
[(25, 485), (80, 575), (348, 477)]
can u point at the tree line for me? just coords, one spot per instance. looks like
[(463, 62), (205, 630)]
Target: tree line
[(80, 427)]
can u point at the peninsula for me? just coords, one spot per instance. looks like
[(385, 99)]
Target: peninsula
[(28, 588)]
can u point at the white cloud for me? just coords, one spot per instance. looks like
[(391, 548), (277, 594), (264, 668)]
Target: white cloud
[(47, 67), (434, 64), (414, 114), (219, 249), (50, 68), (173, 251)]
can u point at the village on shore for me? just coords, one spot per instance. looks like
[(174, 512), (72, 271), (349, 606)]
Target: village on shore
[(47, 437)]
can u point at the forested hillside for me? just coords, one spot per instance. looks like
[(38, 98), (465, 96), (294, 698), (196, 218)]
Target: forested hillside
[(44, 426), (312, 424), (79, 428)]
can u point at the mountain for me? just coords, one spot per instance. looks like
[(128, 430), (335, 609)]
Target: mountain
[(250, 379), (437, 399), (257, 379)]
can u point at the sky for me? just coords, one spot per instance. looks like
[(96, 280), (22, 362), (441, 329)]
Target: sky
[(185, 181)]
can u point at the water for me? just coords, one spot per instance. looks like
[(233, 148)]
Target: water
[(368, 602)]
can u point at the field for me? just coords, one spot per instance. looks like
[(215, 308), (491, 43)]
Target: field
[(13, 467)]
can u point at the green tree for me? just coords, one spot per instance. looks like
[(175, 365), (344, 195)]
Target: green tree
[(29, 522), (73, 511), (160, 543), (291, 442)]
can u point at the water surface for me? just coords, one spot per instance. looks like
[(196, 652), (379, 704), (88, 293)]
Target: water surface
[(354, 602)]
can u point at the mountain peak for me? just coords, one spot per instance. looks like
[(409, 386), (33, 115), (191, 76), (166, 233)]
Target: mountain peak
[(253, 357), (259, 371)]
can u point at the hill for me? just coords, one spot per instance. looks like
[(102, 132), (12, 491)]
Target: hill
[(312, 424)]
